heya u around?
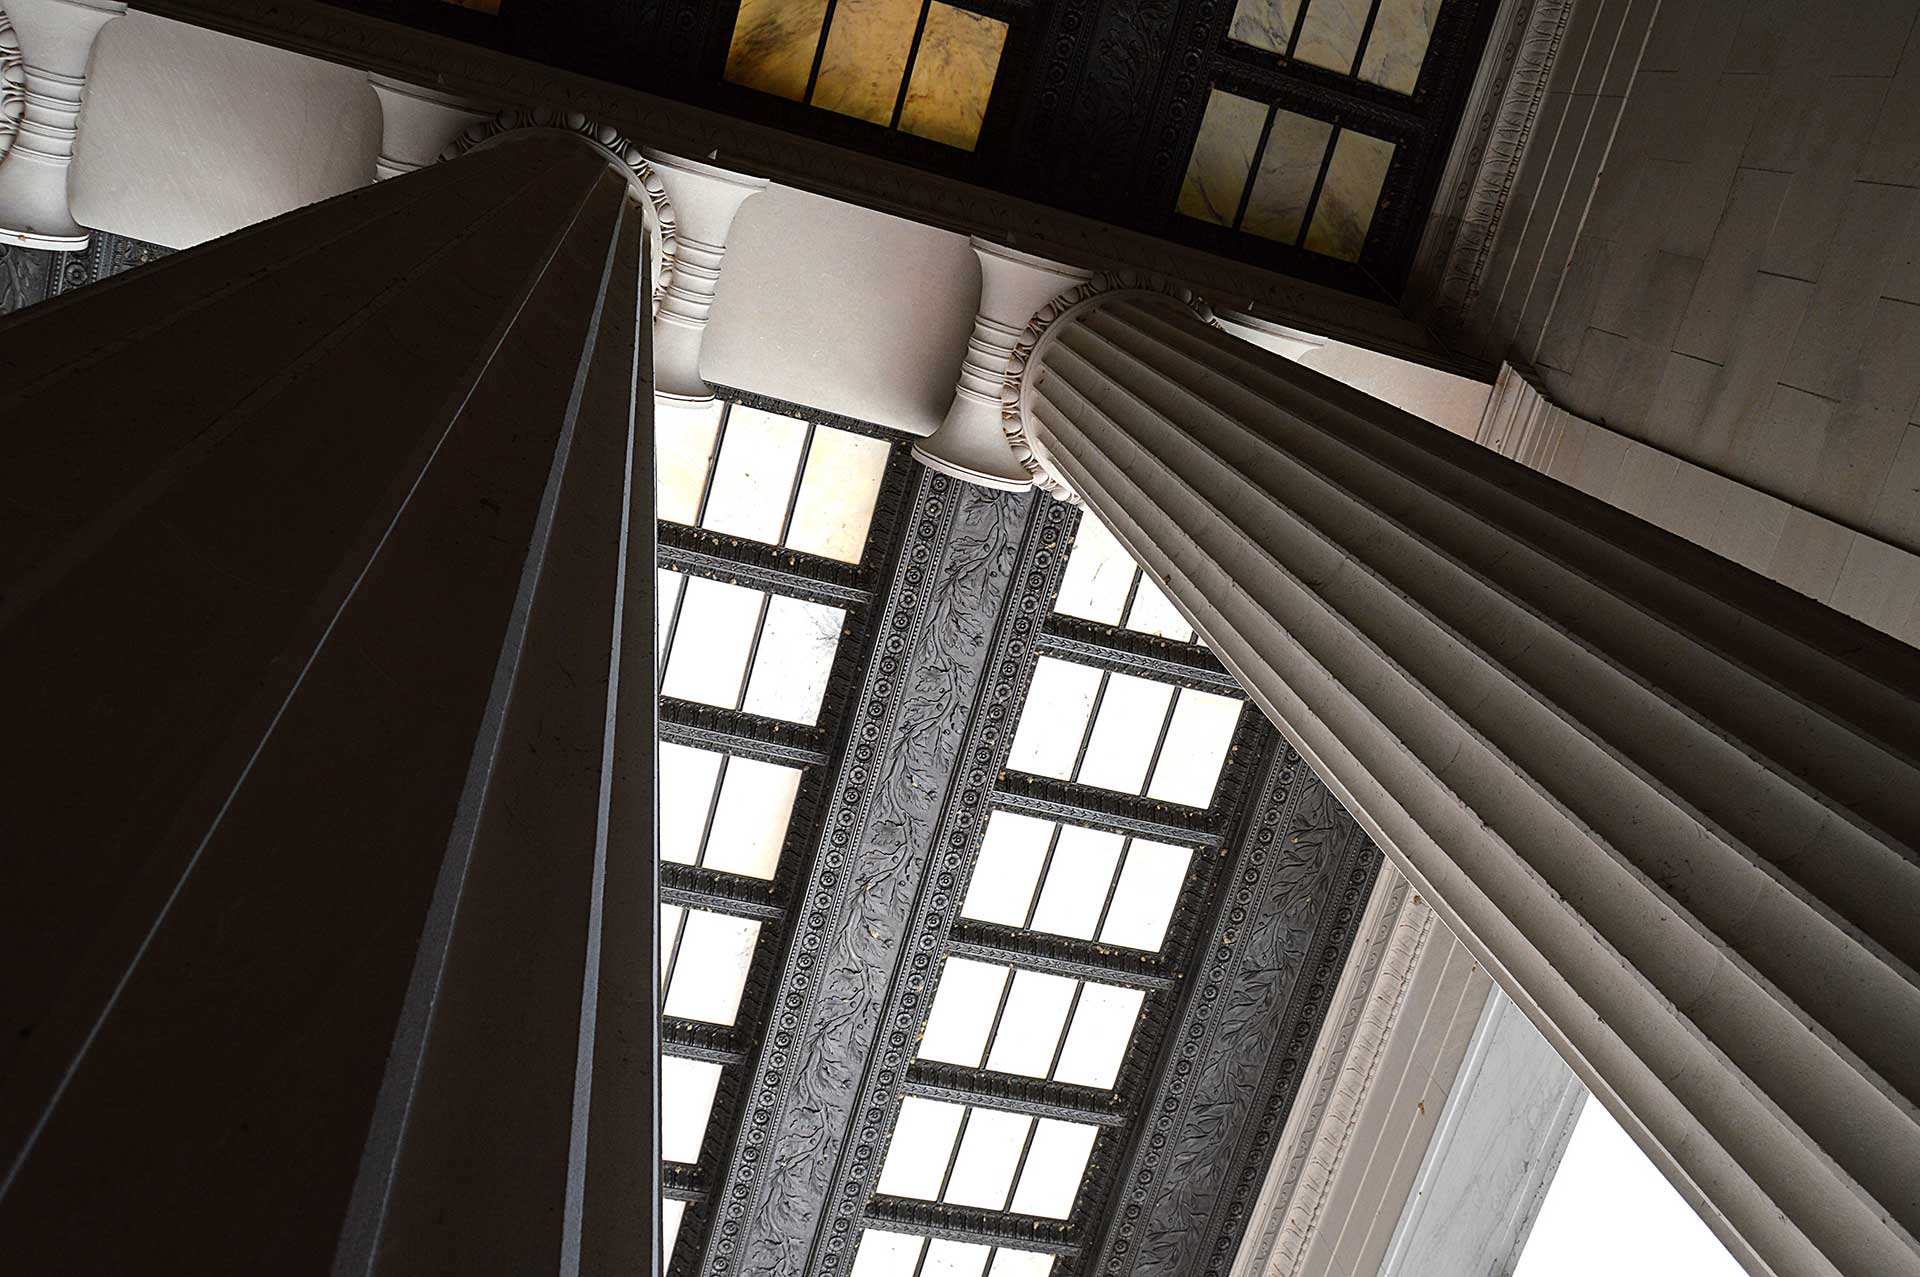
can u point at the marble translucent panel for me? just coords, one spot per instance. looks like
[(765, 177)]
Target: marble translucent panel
[(1120, 747), (671, 1211), (1330, 33), (835, 506), (1099, 574), (1020, 1263), (1264, 24), (953, 76), (683, 437), (1077, 880), (1289, 167), (773, 45), (1153, 612), (1143, 901), (989, 1153), (686, 793), (751, 818), (670, 584), (686, 1101), (1222, 158), (671, 916), (962, 1014), (947, 1258), (753, 478), (1196, 748), (1398, 43), (1054, 719), (1097, 1041), (796, 655), (711, 642), (1011, 853), (866, 58), (884, 1254), (1030, 1026), (711, 972), (1055, 1165), (922, 1143), (1349, 195)]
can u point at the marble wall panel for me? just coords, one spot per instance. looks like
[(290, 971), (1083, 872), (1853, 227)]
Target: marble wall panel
[(866, 58), (1397, 44), (1348, 196), (1222, 158), (773, 45), (1330, 33), (1289, 167), (953, 76), (1265, 24)]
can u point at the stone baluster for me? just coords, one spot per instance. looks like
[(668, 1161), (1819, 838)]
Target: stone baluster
[(55, 37)]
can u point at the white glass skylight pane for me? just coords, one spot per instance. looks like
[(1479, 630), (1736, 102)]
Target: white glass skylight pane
[(711, 643), (1144, 900), (671, 1212), (1154, 613), (683, 447), (1102, 1026), (1030, 1026), (750, 824), (1055, 717), (1196, 748), (1020, 1263), (711, 971), (686, 791), (1121, 747), (669, 931), (962, 1014), (989, 1152), (686, 1101), (1099, 571), (796, 655), (955, 1259), (1077, 882), (1011, 853), (922, 1143), (1051, 1178), (753, 478), (835, 507), (670, 583), (884, 1254)]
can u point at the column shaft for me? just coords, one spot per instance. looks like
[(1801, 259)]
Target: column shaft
[(327, 909), (1672, 805)]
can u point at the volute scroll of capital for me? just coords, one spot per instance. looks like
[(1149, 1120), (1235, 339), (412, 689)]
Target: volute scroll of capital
[(13, 83), (1015, 391), (655, 206)]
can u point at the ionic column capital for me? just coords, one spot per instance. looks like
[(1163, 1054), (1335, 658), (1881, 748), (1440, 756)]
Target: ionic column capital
[(55, 38), (418, 124)]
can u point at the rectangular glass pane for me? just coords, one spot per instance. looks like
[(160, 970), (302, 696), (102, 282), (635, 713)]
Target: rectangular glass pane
[(1030, 1026), (1265, 24), (686, 792), (1153, 612), (1330, 33), (670, 1212), (962, 1014), (670, 583), (796, 655), (1398, 43), (1125, 733), (773, 45), (686, 1101), (989, 1151), (1289, 167), (1222, 158), (1143, 902), (953, 78), (955, 1259), (1011, 853), (1099, 573), (750, 823), (866, 57), (1055, 1165), (683, 447), (1054, 719), (710, 645), (1020, 1263), (670, 918), (1350, 194), (922, 1143), (711, 971), (1077, 881), (1196, 748), (1097, 1041), (884, 1254), (753, 478), (835, 507)]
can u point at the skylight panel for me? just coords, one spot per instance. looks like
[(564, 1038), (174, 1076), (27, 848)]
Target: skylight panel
[(1150, 883), (989, 1154), (1103, 1022), (687, 1088), (754, 475), (794, 658), (671, 917), (666, 607), (711, 642), (1153, 613), (948, 1258), (686, 781), (885, 1254), (1126, 731), (1196, 748), (835, 506), (1037, 1006), (709, 968), (1098, 577), (922, 1146), (671, 1212), (963, 1012), (750, 821), (1047, 741), (1020, 1263), (683, 452), (1011, 853), (1077, 879), (1055, 1164)]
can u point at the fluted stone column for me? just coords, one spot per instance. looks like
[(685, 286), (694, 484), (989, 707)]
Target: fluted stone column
[(1673, 806), (704, 198), (56, 37), (326, 907)]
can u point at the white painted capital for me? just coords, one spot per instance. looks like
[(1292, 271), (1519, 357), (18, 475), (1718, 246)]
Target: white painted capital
[(1278, 338), (705, 199), (417, 124), (971, 444), (56, 37)]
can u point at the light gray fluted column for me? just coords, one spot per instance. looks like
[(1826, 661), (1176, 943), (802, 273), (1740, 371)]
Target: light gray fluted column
[(326, 615), (56, 37), (1673, 806)]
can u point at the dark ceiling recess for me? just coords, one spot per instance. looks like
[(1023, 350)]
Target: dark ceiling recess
[(1095, 105)]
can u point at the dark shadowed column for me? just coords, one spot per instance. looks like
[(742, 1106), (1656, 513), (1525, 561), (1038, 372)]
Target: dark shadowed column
[(326, 899)]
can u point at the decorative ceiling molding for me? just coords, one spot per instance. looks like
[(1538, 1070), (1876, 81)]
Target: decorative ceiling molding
[(13, 84)]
